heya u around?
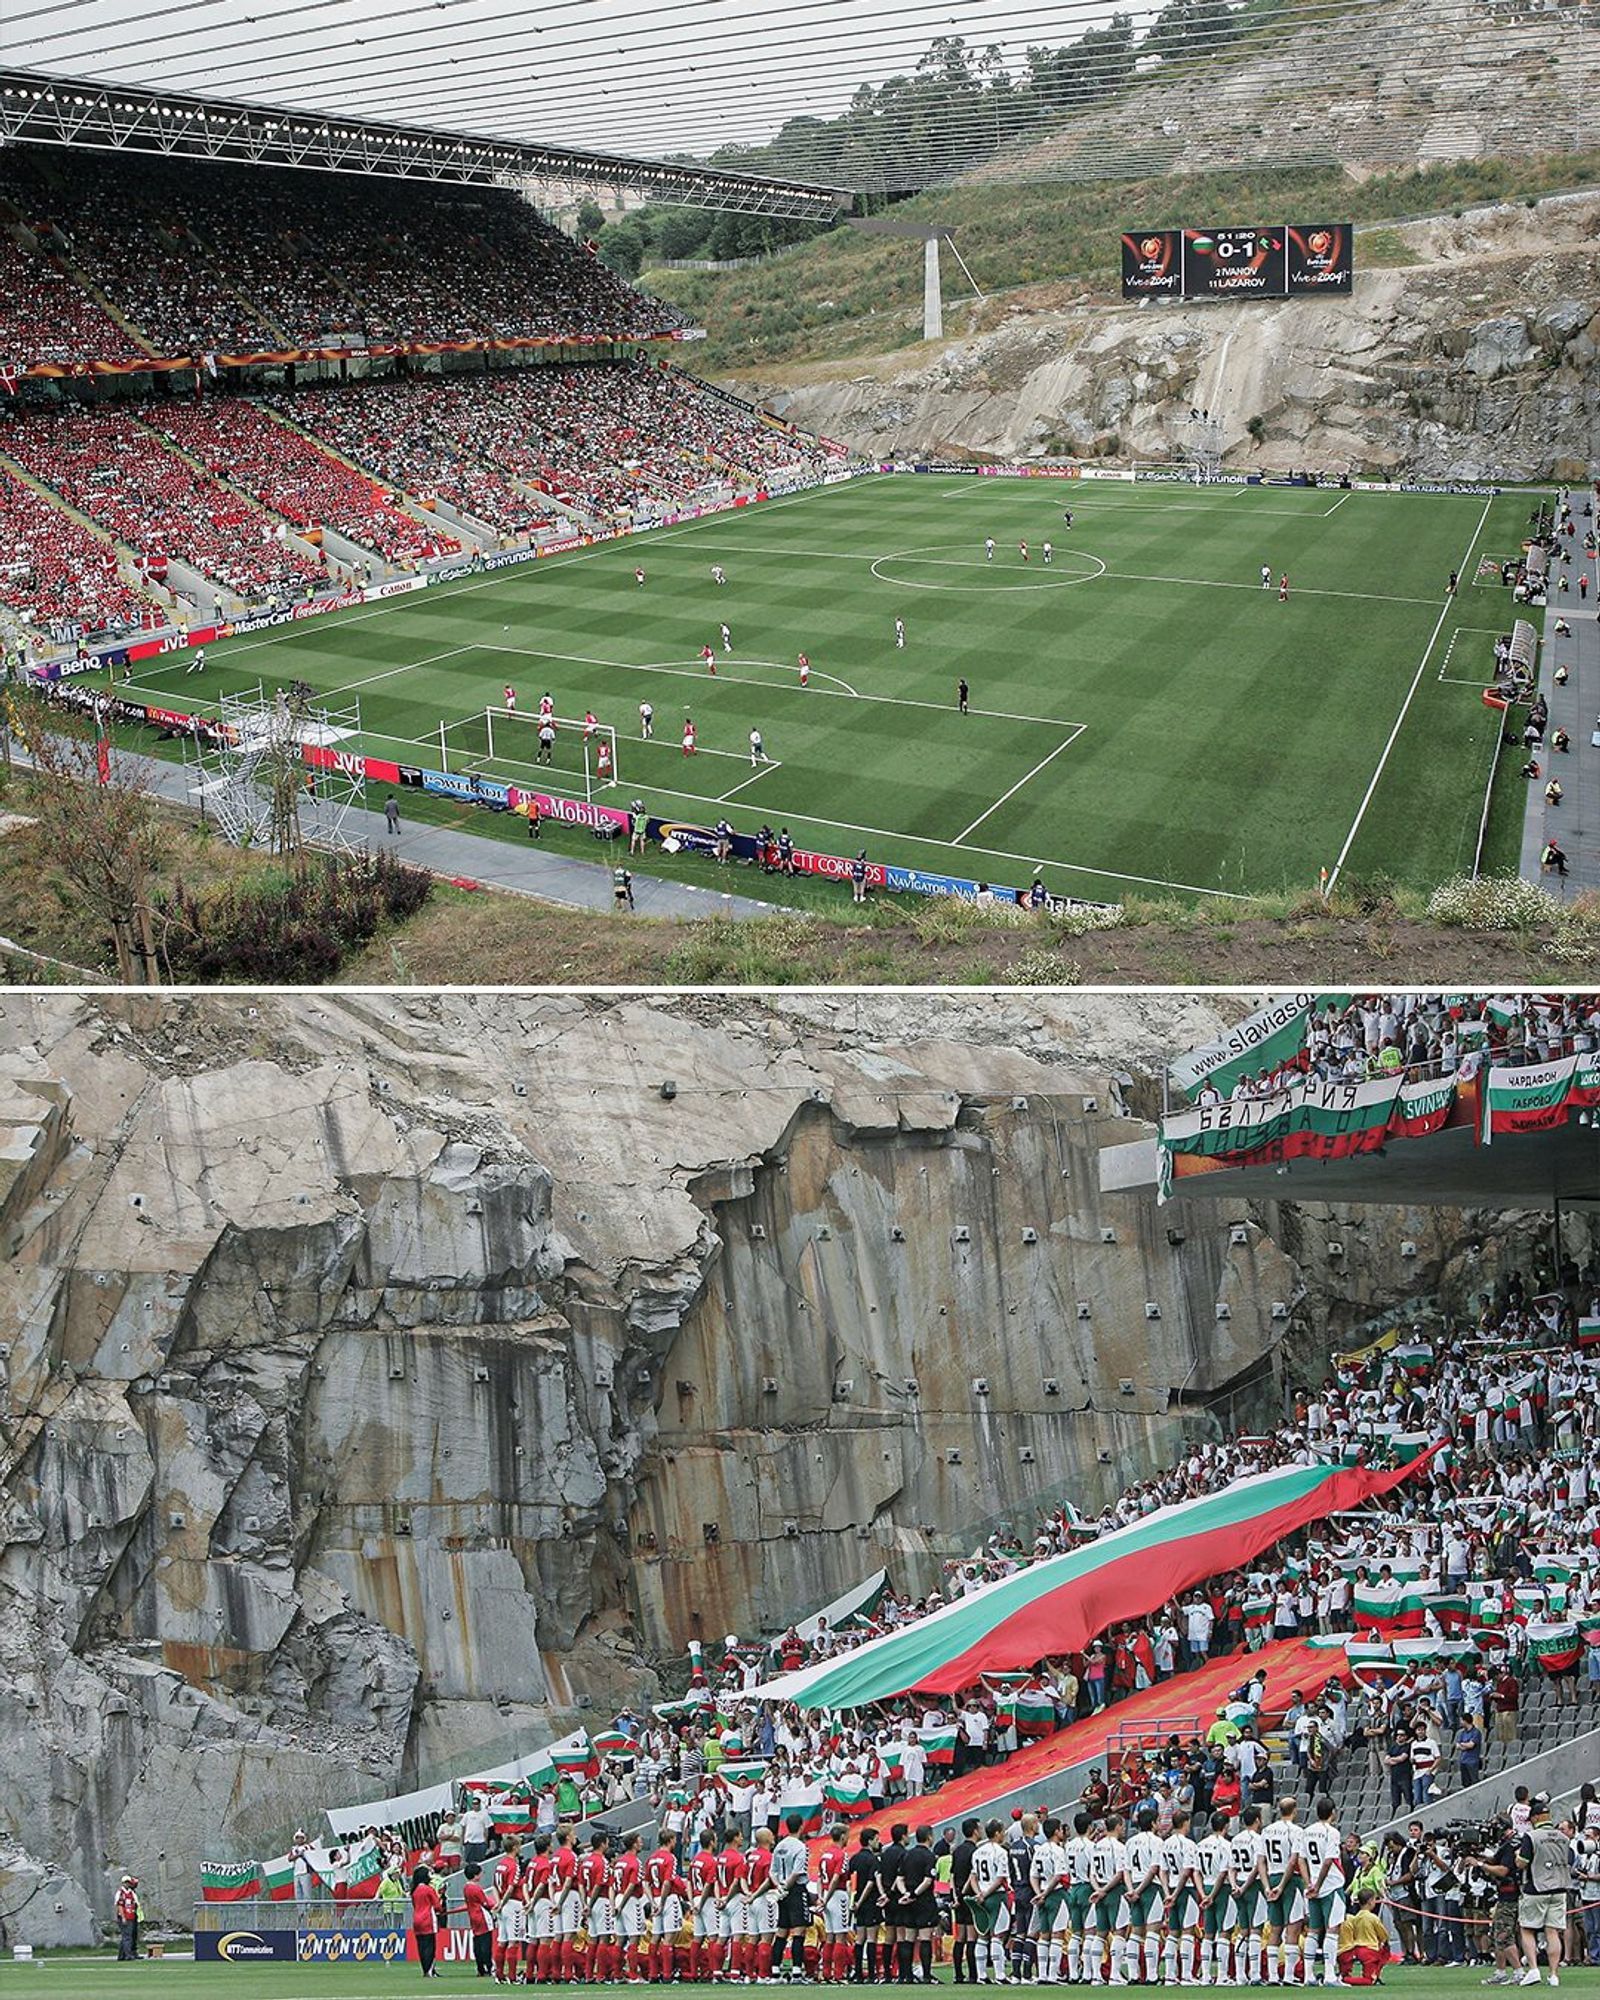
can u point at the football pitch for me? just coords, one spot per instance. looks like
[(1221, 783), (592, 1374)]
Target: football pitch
[(1143, 717)]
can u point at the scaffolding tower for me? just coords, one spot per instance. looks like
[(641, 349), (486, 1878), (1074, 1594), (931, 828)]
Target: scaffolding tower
[(1202, 446), (254, 782)]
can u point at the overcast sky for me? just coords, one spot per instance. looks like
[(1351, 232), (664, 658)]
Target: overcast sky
[(649, 76)]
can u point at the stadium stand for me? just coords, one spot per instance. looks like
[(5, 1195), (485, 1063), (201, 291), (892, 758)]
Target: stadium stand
[(226, 256), (57, 576), (115, 470), (293, 476)]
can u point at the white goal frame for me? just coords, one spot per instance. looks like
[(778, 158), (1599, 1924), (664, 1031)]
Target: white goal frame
[(510, 719)]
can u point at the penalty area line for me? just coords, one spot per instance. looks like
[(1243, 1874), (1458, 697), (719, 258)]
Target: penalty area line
[(989, 811)]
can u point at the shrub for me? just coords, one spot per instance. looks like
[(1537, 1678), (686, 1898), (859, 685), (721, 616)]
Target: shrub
[(292, 927), (1492, 903)]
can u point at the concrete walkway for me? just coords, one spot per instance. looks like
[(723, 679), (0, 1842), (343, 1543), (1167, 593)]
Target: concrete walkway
[(1576, 709), (524, 869)]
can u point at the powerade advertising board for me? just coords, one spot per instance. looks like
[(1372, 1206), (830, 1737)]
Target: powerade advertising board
[(1152, 263), (1320, 258), (1293, 260), (1234, 264)]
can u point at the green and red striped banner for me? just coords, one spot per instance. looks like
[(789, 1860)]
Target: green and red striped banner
[(1540, 1096), (1059, 1605), (229, 1881)]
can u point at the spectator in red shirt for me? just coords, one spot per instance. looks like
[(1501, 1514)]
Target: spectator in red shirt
[(427, 1907), (479, 1905), (1504, 1701), (128, 1918)]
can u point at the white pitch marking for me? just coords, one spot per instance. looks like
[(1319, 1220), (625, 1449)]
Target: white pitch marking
[(1343, 497), (1405, 708), (754, 778), (989, 811)]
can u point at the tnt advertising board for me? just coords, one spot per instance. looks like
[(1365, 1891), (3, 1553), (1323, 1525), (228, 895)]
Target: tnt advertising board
[(374, 1947), (1275, 261)]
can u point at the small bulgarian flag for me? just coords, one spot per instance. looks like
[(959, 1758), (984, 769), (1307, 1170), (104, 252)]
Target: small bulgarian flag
[(616, 1743), (846, 1795), (575, 1760), (1486, 1603), (1257, 1613), (1449, 1607), (277, 1879), (697, 1665), (363, 1869), (511, 1815), (1554, 1569), (1036, 1713), (1554, 1644), (1368, 1652), (1415, 1357), (1387, 1608), (742, 1770), (802, 1802), (229, 1881), (892, 1756), (939, 1741), (1589, 1334)]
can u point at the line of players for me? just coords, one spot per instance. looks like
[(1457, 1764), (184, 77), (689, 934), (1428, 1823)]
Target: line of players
[(1241, 1907)]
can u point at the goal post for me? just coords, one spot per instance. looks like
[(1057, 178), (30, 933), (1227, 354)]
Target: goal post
[(505, 743)]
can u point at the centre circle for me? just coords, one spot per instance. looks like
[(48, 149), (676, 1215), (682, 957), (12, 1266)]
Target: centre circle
[(961, 566)]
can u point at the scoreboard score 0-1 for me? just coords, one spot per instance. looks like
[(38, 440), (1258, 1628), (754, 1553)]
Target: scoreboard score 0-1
[(1277, 262)]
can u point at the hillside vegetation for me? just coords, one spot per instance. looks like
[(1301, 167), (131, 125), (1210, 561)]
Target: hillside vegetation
[(844, 293)]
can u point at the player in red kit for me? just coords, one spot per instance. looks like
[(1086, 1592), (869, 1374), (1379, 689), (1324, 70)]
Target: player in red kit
[(589, 724), (703, 1899), (540, 1957), (631, 1910), (511, 1914), (731, 1949), (760, 1904), (804, 664), (833, 1898), (1283, 588), (710, 659), (599, 1920), (568, 1900), (667, 1892), (511, 699)]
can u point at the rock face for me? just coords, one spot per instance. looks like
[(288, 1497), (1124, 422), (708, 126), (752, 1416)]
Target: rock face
[(386, 1381), (1468, 353)]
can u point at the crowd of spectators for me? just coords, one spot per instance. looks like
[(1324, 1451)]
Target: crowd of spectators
[(225, 258), (59, 579), (119, 473), (293, 476), (1425, 1036), (47, 318), (432, 439)]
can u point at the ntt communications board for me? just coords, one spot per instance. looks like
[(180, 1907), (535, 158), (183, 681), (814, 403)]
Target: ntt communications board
[(1290, 260)]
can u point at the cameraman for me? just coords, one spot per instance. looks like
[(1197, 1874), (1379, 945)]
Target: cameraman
[(1500, 1864)]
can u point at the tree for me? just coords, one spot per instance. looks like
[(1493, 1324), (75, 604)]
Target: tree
[(591, 217), (99, 819), (1189, 28), (622, 247)]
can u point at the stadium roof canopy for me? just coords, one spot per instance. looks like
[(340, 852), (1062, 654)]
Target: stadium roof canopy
[(66, 111), (891, 96)]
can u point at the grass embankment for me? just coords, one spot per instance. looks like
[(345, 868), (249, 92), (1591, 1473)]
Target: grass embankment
[(845, 293)]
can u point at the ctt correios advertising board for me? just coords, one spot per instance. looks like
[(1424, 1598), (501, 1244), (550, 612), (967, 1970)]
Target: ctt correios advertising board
[(1271, 261)]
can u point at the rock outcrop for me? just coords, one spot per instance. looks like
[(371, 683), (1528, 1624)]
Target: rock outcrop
[(386, 1381), (1468, 352)]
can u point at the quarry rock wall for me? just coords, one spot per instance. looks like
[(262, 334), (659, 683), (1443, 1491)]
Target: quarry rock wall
[(387, 1383)]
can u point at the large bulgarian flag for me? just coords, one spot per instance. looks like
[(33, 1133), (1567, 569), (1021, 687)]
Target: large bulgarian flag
[(1539, 1096), (1059, 1605), (229, 1881), (939, 1742), (1388, 1607)]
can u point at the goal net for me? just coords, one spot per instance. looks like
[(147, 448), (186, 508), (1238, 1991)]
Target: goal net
[(506, 743)]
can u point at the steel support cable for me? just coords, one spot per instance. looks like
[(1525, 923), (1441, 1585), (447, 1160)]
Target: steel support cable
[(999, 119)]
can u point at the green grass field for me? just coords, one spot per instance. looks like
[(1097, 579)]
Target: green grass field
[(60, 1976), (1144, 715)]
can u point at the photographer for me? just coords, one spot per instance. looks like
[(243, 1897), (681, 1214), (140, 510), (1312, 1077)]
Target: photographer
[(1546, 1860), (1499, 1863), (1586, 1859)]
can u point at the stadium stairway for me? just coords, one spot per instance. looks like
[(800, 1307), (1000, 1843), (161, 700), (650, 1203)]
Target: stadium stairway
[(1546, 1724), (1054, 1770)]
